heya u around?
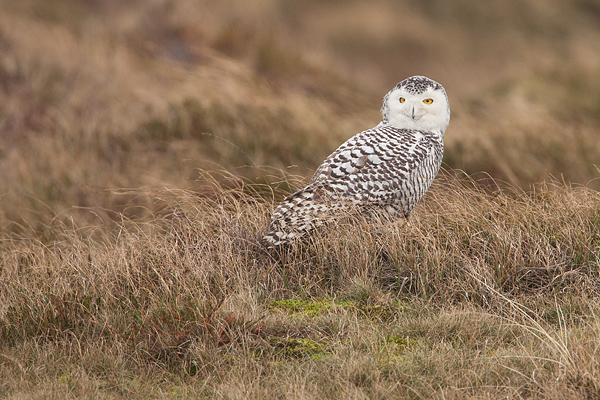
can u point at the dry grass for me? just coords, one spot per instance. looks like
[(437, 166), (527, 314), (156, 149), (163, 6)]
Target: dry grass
[(491, 295), (128, 271)]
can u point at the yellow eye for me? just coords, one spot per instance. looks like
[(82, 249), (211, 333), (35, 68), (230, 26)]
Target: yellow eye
[(428, 101), (402, 99)]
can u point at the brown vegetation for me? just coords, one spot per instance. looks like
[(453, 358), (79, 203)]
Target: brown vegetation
[(472, 299), (144, 145)]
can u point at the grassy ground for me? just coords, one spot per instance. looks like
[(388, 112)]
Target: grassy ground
[(477, 300), (144, 146)]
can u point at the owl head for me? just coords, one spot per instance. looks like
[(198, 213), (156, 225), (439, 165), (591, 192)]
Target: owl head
[(417, 103)]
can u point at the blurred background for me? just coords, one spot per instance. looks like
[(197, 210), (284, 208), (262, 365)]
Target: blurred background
[(105, 101)]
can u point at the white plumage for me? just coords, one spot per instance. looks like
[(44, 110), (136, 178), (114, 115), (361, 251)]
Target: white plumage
[(387, 168)]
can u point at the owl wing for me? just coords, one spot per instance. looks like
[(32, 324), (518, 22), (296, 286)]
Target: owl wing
[(383, 165), (367, 150)]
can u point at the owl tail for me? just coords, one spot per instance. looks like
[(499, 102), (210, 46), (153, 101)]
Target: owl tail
[(297, 215)]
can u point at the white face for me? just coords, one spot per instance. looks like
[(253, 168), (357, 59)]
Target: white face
[(427, 111)]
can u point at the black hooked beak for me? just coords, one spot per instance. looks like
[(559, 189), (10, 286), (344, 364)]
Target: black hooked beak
[(413, 112)]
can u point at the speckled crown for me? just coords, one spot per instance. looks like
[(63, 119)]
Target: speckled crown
[(418, 84)]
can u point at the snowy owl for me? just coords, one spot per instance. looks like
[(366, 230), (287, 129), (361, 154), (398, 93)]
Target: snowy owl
[(385, 169)]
